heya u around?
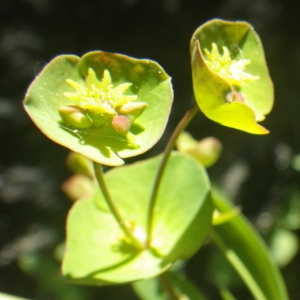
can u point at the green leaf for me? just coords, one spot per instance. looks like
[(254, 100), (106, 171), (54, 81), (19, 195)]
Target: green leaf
[(44, 269), (159, 288), (183, 287), (142, 78), (213, 91), (221, 218), (150, 289), (226, 294), (248, 254), (97, 250), (10, 297)]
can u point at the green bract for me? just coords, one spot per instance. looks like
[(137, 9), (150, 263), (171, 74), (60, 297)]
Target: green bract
[(230, 77), (97, 250), (105, 106)]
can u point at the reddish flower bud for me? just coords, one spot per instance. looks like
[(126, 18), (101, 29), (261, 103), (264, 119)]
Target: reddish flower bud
[(235, 96), (121, 124)]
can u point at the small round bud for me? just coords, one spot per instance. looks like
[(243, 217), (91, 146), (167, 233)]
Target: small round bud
[(74, 116), (234, 96), (121, 124), (207, 151)]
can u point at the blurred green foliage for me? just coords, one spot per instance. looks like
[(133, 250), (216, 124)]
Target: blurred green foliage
[(33, 168)]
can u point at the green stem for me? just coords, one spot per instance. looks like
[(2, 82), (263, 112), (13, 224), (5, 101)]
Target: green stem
[(171, 144), (167, 286), (100, 179)]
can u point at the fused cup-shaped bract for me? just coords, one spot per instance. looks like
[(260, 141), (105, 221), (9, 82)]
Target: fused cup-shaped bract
[(105, 106), (100, 253), (231, 82)]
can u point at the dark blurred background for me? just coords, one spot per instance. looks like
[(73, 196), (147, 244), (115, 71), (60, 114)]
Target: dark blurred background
[(258, 172)]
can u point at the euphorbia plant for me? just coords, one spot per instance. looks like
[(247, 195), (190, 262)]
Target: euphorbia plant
[(135, 221)]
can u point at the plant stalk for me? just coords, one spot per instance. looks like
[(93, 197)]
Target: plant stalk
[(189, 115), (100, 179), (167, 286)]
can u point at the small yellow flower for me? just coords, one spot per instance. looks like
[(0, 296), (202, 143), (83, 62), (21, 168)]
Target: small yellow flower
[(98, 102), (232, 70), (100, 96)]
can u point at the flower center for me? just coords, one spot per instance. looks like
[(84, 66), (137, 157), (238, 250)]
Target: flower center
[(230, 69), (96, 103)]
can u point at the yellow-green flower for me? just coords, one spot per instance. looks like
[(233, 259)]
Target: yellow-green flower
[(97, 102), (232, 70), (100, 96)]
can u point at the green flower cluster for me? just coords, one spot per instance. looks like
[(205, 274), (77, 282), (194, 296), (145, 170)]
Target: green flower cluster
[(99, 102), (232, 70)]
